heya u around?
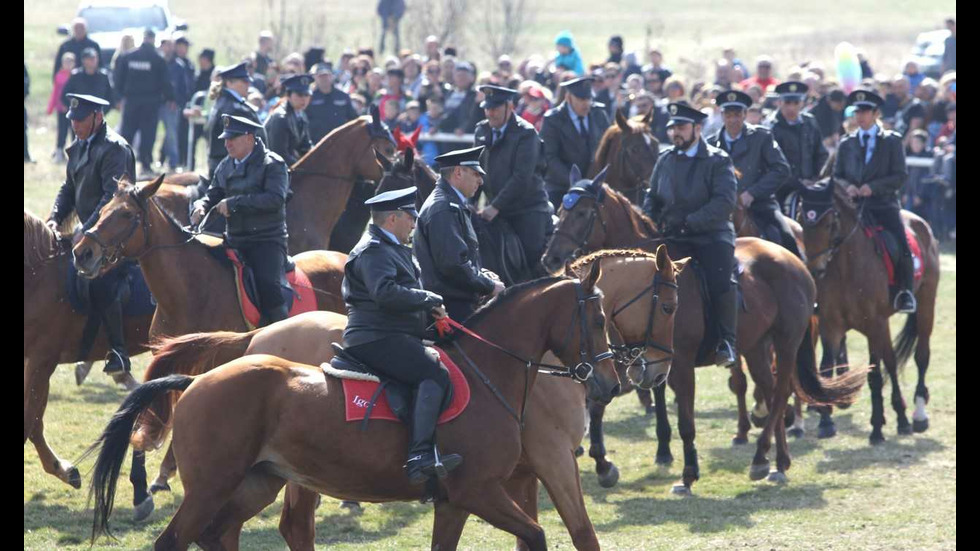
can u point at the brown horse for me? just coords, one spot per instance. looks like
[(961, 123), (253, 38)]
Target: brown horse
[(408, 170), (53, 333), (289, 426), (630, 150), (555, 427), (777, 291), (852, 286)]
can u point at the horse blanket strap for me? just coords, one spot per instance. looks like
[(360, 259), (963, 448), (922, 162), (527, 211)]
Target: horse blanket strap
[(374, 400)]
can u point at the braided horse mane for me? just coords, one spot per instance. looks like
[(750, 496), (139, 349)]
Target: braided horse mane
[(580, 265), (40, 243)]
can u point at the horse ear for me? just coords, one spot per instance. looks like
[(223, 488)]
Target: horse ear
[(146, 191), (621, 121), (663, 260), (375, 115), (679, 265), (409, 158), (597, 181), (385, 163), (594, 272), (648, 118), (574, 175), (414, 138)]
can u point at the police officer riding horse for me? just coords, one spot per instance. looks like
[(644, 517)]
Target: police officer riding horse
[(288, 128), (692, 196), (249, 189), (97, 160), (762, 166), (799, 139), (388, 312)]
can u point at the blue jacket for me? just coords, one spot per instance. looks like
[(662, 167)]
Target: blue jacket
[(572, 60)]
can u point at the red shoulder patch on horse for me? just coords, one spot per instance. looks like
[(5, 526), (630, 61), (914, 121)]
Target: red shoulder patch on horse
[(357, 396), (304, 299), (918, 265)]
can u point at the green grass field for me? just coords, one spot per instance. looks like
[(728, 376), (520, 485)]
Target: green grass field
[(843, 494)]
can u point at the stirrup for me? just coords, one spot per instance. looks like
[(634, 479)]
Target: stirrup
[(912, 302), (726, 357)]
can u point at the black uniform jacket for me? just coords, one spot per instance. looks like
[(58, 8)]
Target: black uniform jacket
[(142, 76), (328, 111), (801, 145), (447, 247), (382, 290), (91, 176), (885, 173), (701, 201), (513, 165), (97, 84), (758, 157), (228, 104), (289, 133), (564, 144), (256, 193)]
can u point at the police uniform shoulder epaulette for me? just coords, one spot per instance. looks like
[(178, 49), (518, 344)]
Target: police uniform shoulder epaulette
[(892, 134), (716, 151), (551, 112), (272, 157), (598, 105), (758, 128), (77, 70)]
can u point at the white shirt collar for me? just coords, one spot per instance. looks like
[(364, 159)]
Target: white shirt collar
[(238, 163), (693, 150), (462, 198), (390, 235), (731, 139)]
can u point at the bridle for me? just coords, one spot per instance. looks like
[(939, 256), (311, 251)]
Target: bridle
[(594, 214), (837, 242), (629, 169), (628, 353)]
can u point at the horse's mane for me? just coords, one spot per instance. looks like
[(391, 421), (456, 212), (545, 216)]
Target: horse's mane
[(585, 261), (641, 223), (506, 296), (40, 243)]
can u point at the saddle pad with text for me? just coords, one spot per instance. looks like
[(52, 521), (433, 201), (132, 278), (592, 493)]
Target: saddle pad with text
[(304, 299)]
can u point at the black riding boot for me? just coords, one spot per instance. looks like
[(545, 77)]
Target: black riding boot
[(117, 360), (423, 459), (905, 278), (725, 308)]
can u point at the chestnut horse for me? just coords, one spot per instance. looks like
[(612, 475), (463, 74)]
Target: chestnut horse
[(631, 151), (852, 288), (555, 427), (777, 292), (289, 425)]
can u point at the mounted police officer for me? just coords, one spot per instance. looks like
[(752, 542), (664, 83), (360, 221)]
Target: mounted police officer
[(287, 127), (329, 107), (871, 165), (761, 164), (571, 133), (445, 242), (798, 136), (229, 96), (691, 196), (96, 161), (249, 190), (388, 312), (512, 160)]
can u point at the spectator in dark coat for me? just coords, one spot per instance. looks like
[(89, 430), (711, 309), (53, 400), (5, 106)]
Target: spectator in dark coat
[(461, 111), (89, 79), (390, 12), (78, 42), (949, 52), (829, 114)]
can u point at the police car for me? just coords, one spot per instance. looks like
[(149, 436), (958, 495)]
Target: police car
[(109, 20)]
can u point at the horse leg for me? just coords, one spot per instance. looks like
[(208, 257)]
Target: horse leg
[(607, 472), (37, 375), (758, 359), (201, 503), (882, 342), (799, 428), (297, 522), (646, 401), (738, 384), (842, 356), (254, 494), (447, 526), (167, 469), (831, 343), (682, 382), (785, 364), (522, 487), (142, 500), (920, 419), (875, 383), (559, 473), (664, 456), (491, 503)]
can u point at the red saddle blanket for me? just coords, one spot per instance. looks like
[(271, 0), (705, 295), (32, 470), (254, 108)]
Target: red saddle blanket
[(918, 267), (304, 299), (357, 396)]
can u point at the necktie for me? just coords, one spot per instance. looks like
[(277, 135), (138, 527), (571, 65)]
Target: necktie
[(496, 136), (864, 147)]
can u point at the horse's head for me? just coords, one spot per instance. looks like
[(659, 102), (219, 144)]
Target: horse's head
[(381, 139), (584, 345), (630, 150), (581, 226), (120, 232), (821, 225)]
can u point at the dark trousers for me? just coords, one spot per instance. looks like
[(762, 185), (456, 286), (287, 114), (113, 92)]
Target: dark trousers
[(106, 295), (716, 260), (182, 139), (198, 132), (768, 218), (64, 127), (533, 229), (141, 117), (394, 30), (891, 221), (267, 259), (459, 310), (351, 224), (403, 359)]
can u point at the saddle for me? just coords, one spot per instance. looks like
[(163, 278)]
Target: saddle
[(501, 250), (300, 298), (887, 247), (709, 343), (369, 395)]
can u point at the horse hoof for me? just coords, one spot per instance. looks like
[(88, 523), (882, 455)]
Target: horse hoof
[(920, 426), (579, 451), (680, 489), (143, 510), (611, 477), (159, 487), (758, 472), (352, 506), (73, 478), (758, 422), (740, 441), (778, 477), (81, 371), (664, 459), (904, 428), (826, 431), (795, 432), (876, 439)]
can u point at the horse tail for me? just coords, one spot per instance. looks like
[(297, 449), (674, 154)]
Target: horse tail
[(111, 445), (190, 354), (813, 388), (904, 344)]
